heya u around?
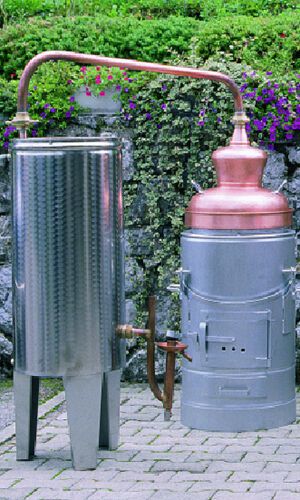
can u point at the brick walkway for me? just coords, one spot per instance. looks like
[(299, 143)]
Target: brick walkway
[(157, 460)]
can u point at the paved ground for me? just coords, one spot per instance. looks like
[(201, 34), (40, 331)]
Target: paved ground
[(155, 459)]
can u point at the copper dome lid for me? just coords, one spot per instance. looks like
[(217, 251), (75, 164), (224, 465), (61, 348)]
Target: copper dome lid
[(239, 201)]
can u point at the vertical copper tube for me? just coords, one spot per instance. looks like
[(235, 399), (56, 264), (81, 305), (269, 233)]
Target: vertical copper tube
[(151, 350), (169, 381)]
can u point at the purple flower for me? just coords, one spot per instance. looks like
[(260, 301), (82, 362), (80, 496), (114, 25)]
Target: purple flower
[(6, 144), (289, 137), (35, 87), (298, 109), (34, 133), (126, 90), (159, 125), (148, 116), (271, 147), (130, 80), (71, 108), (243, 87), (276, 85), (259, 98), (296, 124), (258, 124), (132, 105), (202, 112), (72, 98), (118, 88), (269, 72), (164, 106), (264, 91), (244, 75), (291, 90), (127, 116), (69, 82), (201, 123), (164, 87), (43, 114), (46, 106), (219, 120), (68, 114), (53, 110)]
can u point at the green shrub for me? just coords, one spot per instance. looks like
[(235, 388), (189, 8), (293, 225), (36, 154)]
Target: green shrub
[(264, 43), (13, 10), (267, 43), (127, 38)]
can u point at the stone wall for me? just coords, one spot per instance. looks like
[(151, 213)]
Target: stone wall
[(282, 164)]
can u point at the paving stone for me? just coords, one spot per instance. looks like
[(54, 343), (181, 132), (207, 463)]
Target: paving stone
[(200, 495), (225, 495), (272, 477), (259, 457), (287, 495), (109, 495), (266, 486), (169, 466), (219, 485), (61, 494), (13, 493), (219, 465)]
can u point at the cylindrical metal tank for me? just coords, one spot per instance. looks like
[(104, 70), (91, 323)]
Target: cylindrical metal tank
[(68, 263), (238, 319)]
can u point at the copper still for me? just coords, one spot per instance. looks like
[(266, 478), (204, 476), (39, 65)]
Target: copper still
[(237, 210)]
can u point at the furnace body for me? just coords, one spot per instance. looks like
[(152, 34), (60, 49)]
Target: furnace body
[(238, 319)]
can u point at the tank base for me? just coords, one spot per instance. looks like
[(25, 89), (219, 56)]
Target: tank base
[(236, 419)]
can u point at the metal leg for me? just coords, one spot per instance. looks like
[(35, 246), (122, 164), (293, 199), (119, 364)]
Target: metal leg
[(83, 396), (110, 410), (26, 391)]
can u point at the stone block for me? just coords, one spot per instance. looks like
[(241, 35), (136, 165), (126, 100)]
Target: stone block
[(5, 300), (275, 170), (5, 238)]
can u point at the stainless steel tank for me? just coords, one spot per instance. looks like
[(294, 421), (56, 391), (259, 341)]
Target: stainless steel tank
[(238, 319), (68, 278)]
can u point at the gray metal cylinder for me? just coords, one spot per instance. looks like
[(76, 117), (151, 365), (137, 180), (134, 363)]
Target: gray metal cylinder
[(238, 319), (68, 256)]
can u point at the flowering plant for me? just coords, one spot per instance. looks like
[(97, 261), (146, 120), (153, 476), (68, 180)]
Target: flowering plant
[(98, 80), (273, 107)]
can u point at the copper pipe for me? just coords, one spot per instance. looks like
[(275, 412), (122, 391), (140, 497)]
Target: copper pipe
[(77, 57), (129, 332), (169, 381), (151, 350)]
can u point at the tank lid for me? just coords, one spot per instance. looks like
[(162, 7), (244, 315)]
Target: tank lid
[(108, 141)]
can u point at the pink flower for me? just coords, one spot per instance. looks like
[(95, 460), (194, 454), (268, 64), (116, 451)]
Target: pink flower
[(83, 69), (88, 93), (110, 77), (98, 79), (98, 68), (102, 92)]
